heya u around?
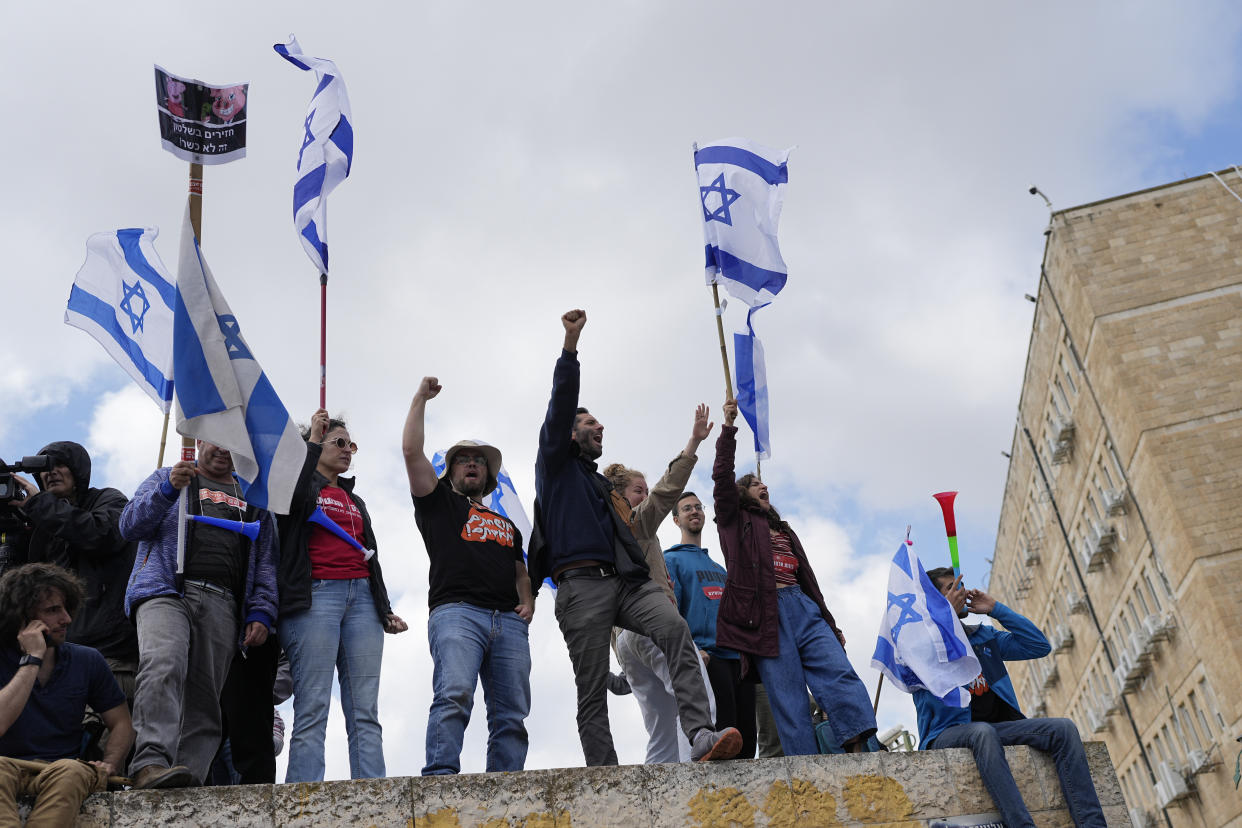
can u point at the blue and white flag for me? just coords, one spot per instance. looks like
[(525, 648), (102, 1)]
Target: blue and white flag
[(741, 186), (503, 499), (327, 151), (223, 396), (752, 386), (124, 297), (922, 644)]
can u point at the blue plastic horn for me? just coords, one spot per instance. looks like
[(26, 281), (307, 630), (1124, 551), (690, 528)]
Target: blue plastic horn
[(318, 517), (250, 530)]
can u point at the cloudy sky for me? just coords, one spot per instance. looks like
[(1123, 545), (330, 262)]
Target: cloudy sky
[(516, 160)]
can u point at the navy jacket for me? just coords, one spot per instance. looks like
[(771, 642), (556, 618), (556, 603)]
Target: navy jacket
[(574, 518)]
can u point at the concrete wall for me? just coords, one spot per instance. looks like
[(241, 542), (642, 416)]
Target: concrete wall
[(893, 790)]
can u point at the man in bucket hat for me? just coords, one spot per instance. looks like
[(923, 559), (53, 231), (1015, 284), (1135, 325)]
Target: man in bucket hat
[(480, 598)]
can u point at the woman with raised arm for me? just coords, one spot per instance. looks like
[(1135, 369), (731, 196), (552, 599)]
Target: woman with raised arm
[(334, 607), (773, 613)]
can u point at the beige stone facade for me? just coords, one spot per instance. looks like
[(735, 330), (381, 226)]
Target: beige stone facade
[(1129, 556)]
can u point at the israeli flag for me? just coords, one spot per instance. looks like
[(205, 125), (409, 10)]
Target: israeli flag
[(223, 396), (503, 499), (124, 297), (741, 186), (752, 386), (327, 151), (922, 645)]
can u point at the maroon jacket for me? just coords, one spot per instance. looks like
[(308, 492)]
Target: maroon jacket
[(748, 620)]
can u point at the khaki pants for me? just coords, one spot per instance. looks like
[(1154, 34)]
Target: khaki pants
[(58, 789)]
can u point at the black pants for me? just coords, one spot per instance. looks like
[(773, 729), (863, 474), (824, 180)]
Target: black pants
[(246, 705), (735, 701)]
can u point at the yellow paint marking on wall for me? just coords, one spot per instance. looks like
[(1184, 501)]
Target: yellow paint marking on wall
[(722, 808), (443, 818), (871, 798), (803, 806)]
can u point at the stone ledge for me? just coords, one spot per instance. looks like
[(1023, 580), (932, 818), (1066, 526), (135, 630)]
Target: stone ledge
[(892, 790)]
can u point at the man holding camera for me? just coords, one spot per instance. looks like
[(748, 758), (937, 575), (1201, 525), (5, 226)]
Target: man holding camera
[(77, 528)]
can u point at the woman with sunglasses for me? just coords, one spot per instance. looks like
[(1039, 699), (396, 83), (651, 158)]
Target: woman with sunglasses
[(334, 608)]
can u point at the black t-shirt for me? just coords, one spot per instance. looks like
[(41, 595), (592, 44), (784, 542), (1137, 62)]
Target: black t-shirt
[(986, 706), (472, 549), (218, 555)]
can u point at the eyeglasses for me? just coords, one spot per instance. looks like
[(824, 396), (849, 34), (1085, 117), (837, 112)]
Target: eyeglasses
[(692, 507), (342, 444), (463, 459)]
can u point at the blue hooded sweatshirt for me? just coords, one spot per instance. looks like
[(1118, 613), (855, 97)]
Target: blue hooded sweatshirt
[(698, 583), (993, 647)]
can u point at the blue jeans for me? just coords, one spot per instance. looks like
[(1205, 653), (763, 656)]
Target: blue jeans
[(811, 656), (1056, 736), (341, 630), (467, 644)]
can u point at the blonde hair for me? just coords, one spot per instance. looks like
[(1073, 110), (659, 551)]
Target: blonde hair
[(620, 476)]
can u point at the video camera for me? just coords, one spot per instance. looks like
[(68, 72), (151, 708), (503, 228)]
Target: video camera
[(12, 522), (9, 490)]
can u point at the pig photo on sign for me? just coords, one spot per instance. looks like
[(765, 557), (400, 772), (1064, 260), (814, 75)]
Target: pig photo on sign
[(173, 90), (227, 104)]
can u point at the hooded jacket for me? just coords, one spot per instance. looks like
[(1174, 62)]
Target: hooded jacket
[(1019, 641), (295, 564), (748, 619), (83, 536)]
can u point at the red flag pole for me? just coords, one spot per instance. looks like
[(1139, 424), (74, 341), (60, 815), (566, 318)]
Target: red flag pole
[(323, 340)]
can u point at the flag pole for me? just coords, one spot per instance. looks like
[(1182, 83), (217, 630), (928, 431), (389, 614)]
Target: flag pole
[(724, 352), (323, 340), (875, 707)]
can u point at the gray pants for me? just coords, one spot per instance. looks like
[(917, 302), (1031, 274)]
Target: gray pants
[(587, 609), (647, 671), (185, 647)]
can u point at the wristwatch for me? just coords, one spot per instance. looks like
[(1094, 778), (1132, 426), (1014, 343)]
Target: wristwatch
[(27, 658)]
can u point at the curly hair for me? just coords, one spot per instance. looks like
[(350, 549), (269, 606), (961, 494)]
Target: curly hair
[(749, 503), (333, 423), (620, 476), (23, 588)]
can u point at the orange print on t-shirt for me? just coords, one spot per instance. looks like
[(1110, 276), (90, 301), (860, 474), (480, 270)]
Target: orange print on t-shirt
[(484, 526)]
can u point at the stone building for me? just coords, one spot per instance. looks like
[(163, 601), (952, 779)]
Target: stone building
[(1121, 527)]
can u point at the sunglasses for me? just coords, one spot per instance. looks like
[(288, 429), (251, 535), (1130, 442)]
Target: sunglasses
[(342, 444)]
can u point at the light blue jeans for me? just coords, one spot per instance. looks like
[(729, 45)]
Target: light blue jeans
[(469, 644), (341, 630), (1058, 737), (811, 656)]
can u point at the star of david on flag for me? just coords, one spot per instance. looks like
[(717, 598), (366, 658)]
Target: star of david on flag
[(111, 301), (327, 151), (921, 644), (223, 396), (716, 200), (741, 185), (502, 500)]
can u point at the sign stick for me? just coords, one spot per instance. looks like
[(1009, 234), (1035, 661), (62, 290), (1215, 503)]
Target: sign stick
[(187, 443)]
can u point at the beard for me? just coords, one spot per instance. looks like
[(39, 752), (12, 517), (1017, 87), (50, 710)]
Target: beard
[(587, 446), (471, 488)]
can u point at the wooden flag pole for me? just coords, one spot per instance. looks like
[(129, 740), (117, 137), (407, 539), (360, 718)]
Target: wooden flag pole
[(724, 352), (875, 708)]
